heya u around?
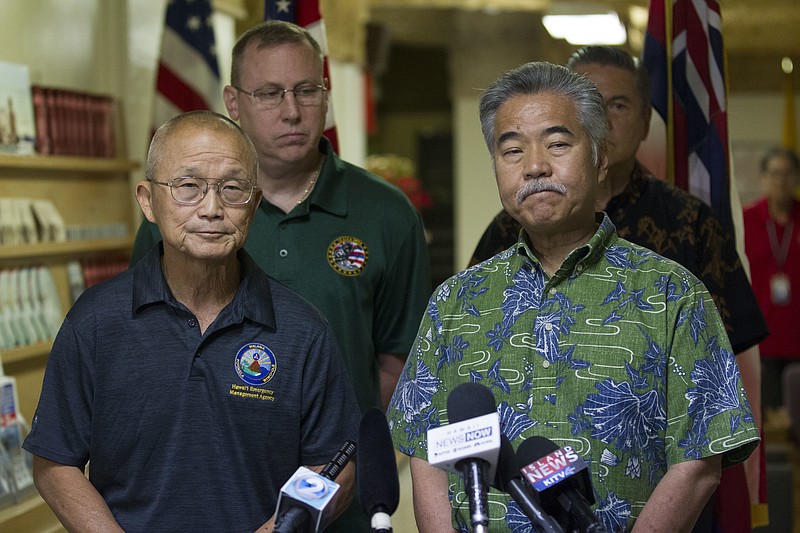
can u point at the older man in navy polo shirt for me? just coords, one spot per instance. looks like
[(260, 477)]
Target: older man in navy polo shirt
[(193, 383)]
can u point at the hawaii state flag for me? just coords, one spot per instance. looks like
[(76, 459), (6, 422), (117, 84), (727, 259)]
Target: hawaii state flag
[(188, 73), (306, 13), (684, 55)]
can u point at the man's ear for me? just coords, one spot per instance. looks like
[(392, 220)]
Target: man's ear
[(231, 101), (648, 114), (144, 195), (602, 167)]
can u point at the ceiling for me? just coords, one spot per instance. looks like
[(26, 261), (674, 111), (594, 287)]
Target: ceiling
[(757, 33)]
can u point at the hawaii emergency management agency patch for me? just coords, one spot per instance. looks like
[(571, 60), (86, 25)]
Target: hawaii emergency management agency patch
[(255, 364), (348, 256)]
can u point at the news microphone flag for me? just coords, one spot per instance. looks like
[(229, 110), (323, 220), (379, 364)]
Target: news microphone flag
[(477, 438), (684, 55), (306, 501), (309, 491), (561, 479), (553, 468), (188, 73), (306, 13)]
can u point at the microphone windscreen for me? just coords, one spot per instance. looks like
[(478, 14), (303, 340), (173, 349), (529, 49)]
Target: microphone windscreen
[(507, 468), (469, 400), (534, 448), (376, 466)]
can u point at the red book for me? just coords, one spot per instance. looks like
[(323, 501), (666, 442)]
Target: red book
[(39, 98)]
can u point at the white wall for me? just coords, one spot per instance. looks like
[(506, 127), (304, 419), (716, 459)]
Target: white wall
[(476, 199)]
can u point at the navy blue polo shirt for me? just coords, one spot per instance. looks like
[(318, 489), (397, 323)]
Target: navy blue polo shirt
[(187, 431)]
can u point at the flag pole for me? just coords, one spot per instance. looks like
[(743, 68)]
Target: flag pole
[(789, 126), (670, 99)]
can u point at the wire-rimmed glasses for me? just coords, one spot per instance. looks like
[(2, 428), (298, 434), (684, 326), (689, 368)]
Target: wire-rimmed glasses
[(188, 190), (271, 97)]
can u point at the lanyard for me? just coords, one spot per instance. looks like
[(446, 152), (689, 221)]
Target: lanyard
[(780, 251)]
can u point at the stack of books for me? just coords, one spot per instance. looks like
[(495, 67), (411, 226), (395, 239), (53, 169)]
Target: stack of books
[(30, 221), (73, 122), (30, 311)]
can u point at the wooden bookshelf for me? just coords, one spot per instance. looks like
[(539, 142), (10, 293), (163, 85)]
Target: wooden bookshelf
[(93, 193), (66, 163)]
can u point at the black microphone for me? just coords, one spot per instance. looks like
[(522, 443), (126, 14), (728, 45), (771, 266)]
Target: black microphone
[(307, 499), (561, 479), (509, 479), (376, 471), (469, 445)]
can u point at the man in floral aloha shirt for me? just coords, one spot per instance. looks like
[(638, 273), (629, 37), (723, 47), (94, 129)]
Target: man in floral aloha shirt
[(583, 337)]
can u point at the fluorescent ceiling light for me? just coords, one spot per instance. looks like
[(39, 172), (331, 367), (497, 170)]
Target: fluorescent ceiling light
[(595, 28)]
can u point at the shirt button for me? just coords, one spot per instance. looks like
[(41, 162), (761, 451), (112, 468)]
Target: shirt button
[(548, 327), (579, 268), (283, 253), (552, 291), (546, 364), (192, 322)]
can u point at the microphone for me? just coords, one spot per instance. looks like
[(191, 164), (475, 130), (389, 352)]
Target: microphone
[(509, 479), (469, 445), (304, 503), (561, 479), (376, 471)]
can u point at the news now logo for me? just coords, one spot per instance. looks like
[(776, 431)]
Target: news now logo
[(464, 437), (478, 434)]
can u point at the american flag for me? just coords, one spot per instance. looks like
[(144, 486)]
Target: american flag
[(188, 73), (684, 55), (306, 13)]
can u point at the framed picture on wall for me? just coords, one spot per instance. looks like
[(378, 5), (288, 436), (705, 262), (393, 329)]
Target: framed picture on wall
[(17, 126)]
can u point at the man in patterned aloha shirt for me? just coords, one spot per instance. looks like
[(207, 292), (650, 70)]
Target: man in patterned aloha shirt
[(583, 337)]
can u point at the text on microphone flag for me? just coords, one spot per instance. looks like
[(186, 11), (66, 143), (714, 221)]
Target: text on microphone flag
[(554, 467)]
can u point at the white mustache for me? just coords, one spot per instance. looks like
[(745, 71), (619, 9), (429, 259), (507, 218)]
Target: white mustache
[(539, 185)]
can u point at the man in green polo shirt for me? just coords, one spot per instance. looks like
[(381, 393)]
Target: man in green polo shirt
[(583, 337)]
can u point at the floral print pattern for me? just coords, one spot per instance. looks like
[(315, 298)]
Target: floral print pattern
[(620, 354)]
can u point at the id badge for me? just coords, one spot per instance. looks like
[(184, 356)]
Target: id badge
[(780, 289)]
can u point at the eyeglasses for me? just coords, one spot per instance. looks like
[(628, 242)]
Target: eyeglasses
[(270, 98), (189, 190)]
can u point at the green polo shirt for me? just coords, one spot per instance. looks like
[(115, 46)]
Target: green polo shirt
[(356, 250), (621, 354)]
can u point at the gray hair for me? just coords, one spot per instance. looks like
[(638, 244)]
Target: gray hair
[(271, 33), (541, 77), (206, 119)]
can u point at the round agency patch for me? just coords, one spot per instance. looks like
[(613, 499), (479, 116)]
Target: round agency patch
[(255, 364), (348, 255)]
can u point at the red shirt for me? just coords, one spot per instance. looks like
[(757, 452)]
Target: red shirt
[(782, 319)]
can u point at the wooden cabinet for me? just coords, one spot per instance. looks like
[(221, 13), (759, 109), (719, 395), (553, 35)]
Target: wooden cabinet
[(87, 192)]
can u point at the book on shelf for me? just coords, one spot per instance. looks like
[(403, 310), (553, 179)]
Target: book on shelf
[(30, 221), (89, 272), (17, 126), (74, 123), (30, 310)]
